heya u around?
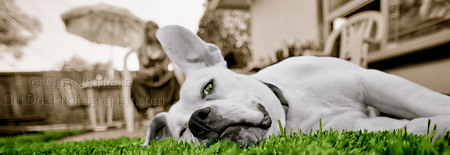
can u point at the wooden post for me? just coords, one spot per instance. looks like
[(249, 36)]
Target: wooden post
[(15, 107)]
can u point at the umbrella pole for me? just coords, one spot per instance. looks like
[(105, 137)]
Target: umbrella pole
[(111, 64), (128, 107), (111, 56)]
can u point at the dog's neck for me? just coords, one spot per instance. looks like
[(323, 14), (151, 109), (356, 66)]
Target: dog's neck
[(280, 96)]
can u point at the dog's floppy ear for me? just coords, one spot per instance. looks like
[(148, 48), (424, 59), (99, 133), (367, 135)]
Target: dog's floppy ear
[(158, 129), (187, 50)]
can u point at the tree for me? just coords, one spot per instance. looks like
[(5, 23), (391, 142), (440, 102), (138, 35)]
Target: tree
[(16, 28), (88, 70), (229, 29), (76, 63)]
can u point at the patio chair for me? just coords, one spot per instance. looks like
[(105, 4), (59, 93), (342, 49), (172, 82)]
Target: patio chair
[(360, 31), (74, 96)]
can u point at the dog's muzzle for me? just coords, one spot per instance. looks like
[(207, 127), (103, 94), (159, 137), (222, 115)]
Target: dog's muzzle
[(207, 124)]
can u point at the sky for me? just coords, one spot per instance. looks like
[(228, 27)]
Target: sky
[(54, 45)]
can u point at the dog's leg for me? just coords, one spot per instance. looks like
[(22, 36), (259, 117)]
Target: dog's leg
[(147, 137), (420, 125), (157, 129), (402, 98), (416, 126)]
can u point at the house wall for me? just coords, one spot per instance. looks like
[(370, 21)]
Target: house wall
[(273, 23), (434, 75), (276, 22)]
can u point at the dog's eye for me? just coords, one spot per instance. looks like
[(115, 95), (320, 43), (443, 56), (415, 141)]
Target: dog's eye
[(208, 88), (182, 132)]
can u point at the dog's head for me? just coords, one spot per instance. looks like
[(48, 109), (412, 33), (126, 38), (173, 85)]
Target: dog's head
[(215, 103)]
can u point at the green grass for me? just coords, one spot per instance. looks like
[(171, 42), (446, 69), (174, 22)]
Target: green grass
[(40, 136), (321, 142)]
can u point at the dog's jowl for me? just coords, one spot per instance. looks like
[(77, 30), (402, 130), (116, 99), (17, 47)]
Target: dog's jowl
[(217, 104)]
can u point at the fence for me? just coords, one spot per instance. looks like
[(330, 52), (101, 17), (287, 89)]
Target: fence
[(35, 98)]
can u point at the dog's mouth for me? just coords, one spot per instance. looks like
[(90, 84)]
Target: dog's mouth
[(247, 132), (242, 133)]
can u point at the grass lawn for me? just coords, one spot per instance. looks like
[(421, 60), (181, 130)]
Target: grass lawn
[(321, 142)]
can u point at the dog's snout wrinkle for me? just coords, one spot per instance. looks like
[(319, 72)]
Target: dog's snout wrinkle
[(202, 131), (267, 121)]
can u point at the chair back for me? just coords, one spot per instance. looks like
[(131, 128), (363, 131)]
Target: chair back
[(361, 31), (72, 93)]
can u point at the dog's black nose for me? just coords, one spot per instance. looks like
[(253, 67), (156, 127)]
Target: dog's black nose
[(202, 114), (202, 124)]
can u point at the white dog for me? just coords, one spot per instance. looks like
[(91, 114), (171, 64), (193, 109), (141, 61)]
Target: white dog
[(217, 104)]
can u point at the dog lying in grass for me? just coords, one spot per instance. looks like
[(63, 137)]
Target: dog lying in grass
[(217, 104)]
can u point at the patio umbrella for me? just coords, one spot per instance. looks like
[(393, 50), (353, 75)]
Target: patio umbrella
[(105, 24)]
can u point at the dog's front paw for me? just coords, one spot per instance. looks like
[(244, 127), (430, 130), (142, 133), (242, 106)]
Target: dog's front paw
[(145, 144)]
